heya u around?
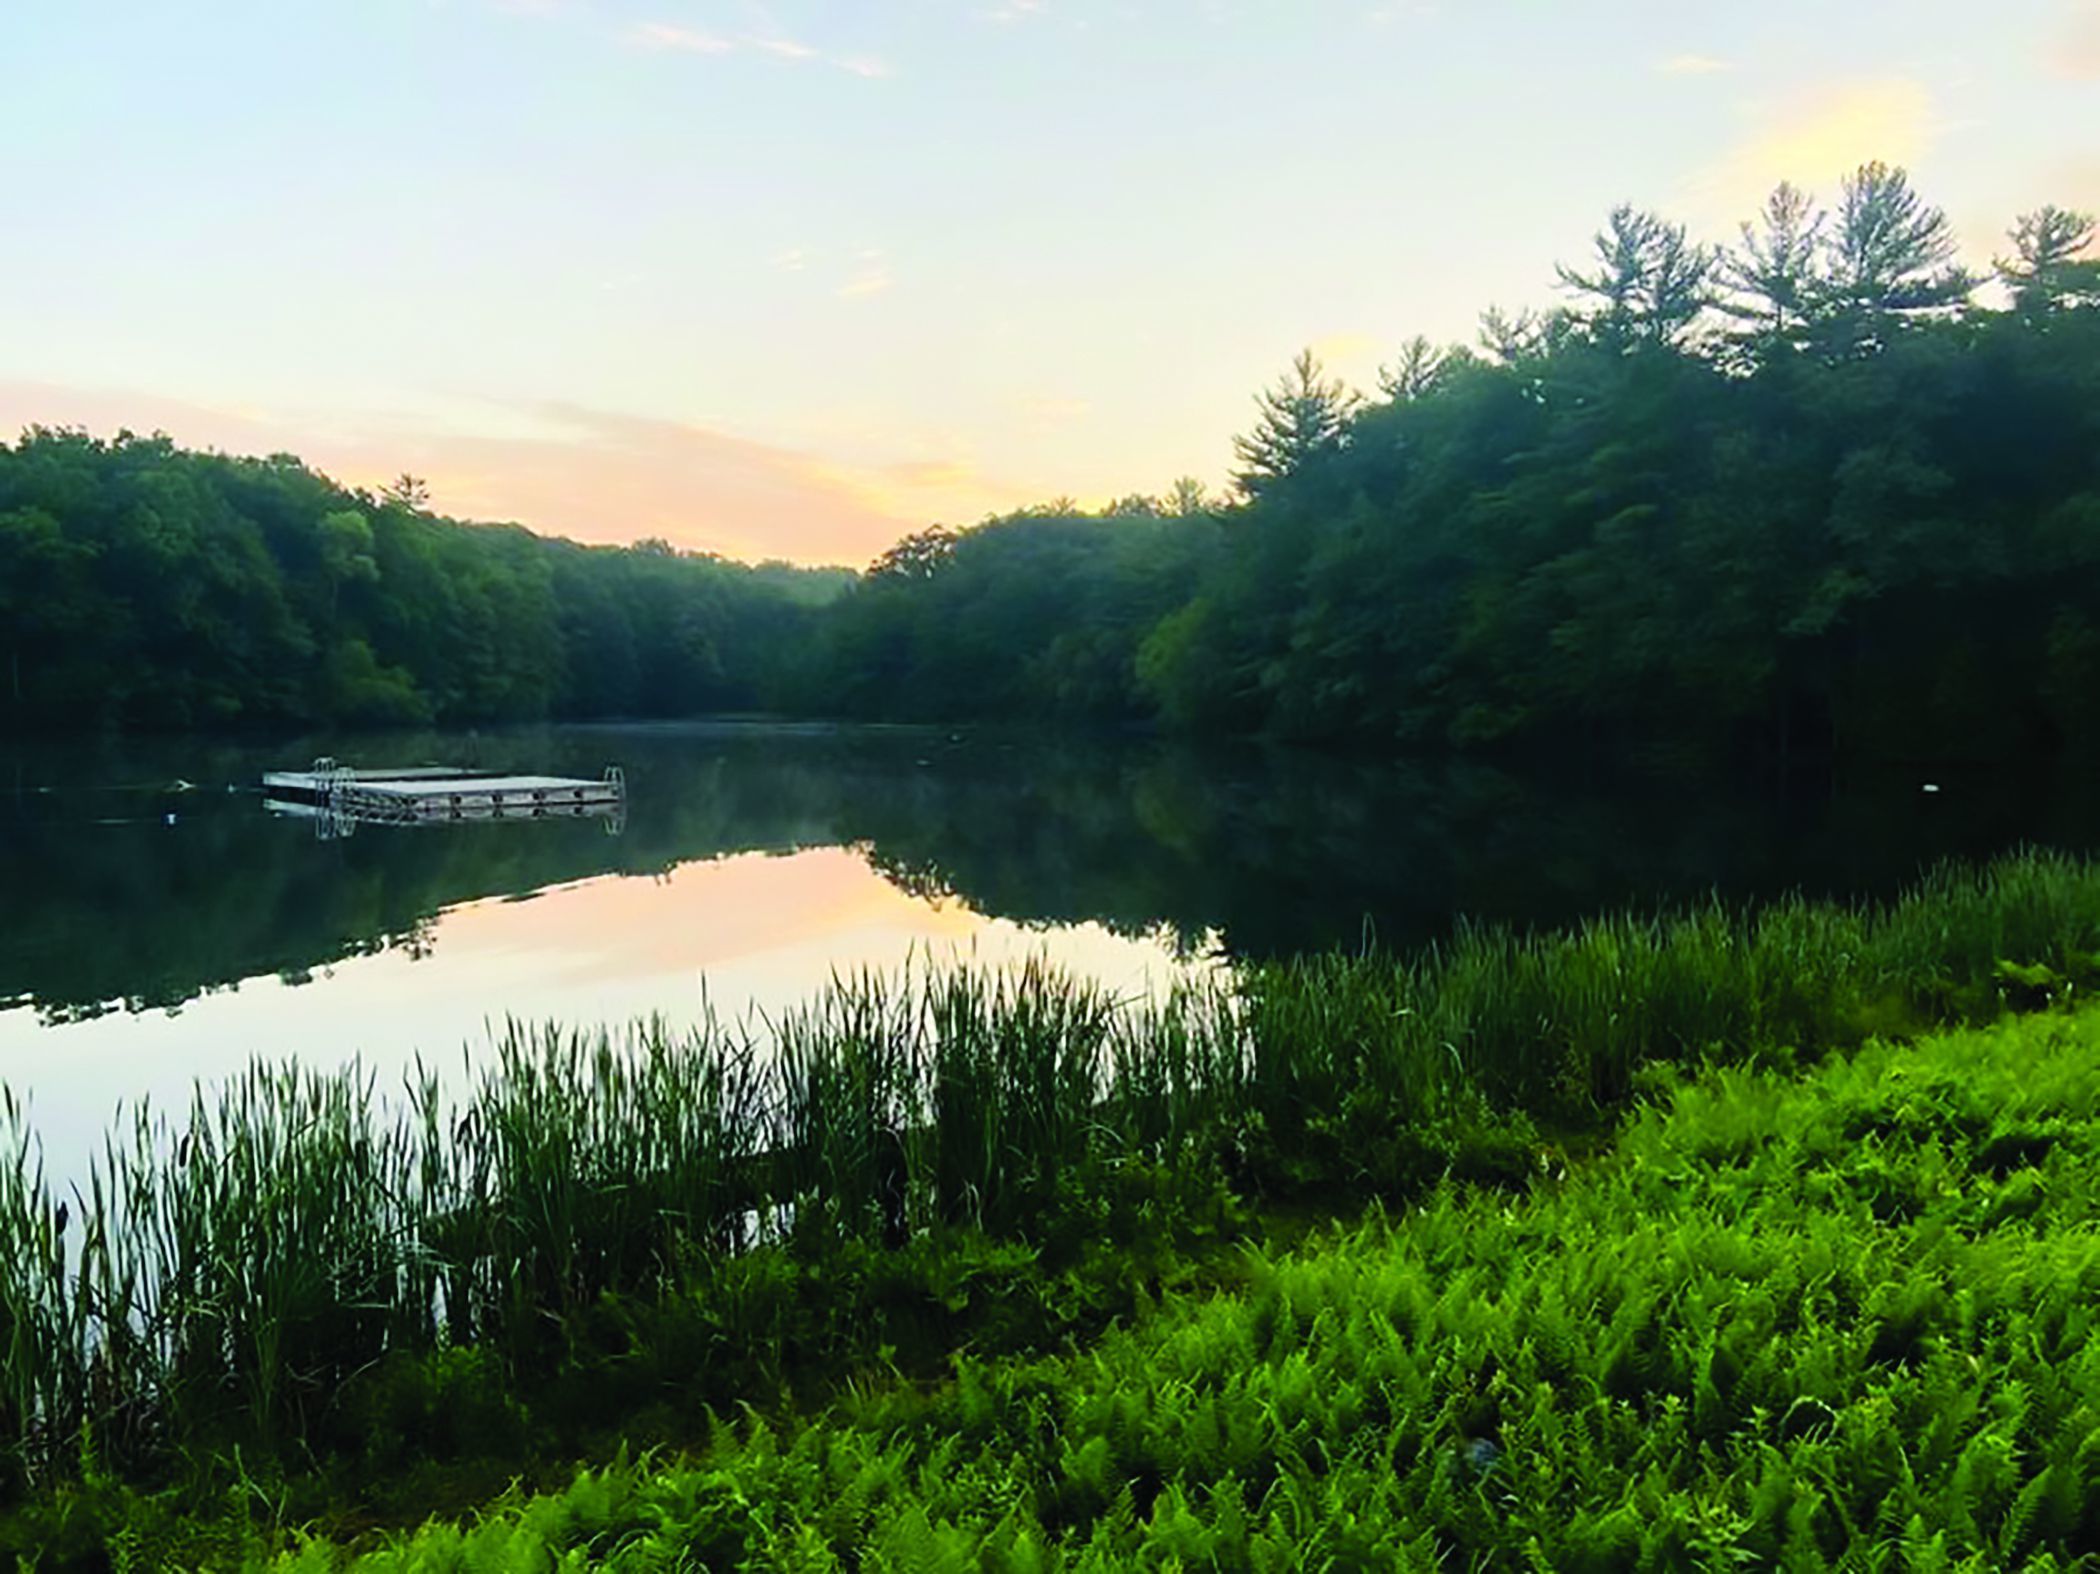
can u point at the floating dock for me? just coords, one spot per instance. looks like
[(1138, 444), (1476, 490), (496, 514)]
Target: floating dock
[(429, 794)]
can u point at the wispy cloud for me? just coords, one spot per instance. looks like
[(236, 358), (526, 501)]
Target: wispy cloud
[(683, 40), (931, 474), (942, 482), (670, 37), (871, 278), (1343, 346), (851, 276), (1693, 66), (1819, 136), (1351, 356), (2075, 49), (1011, 11)]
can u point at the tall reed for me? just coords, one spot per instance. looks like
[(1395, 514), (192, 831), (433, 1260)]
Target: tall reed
[(231, 1277)]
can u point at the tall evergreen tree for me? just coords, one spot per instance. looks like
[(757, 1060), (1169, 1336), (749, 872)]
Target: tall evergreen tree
[(1890, 258), (1775, 275), (412, 492), (1187, 499), (1415, 371), (1305, 417), (1650, 283), (2049, 270)]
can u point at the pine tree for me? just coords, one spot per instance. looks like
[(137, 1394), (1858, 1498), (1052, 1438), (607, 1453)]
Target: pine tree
[(1303, 418), (1415, 371), (1891, 256), (2048, 271), (410, 491), (1187, 499), (1650, 285), (1775, 276)]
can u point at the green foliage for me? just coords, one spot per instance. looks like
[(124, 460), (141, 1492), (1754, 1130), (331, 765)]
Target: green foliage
[(2050, 270), (611, 1226), (1036, 615), (1805, 496), (1731, 503), (1304, 422), (148, 587), (1814, 1324), (1650, 285)]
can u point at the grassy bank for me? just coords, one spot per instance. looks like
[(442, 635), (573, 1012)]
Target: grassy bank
[(312, 1298), (1841, 1321)]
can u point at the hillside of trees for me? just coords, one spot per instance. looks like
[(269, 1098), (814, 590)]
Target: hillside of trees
[(145, 586), (1821, 491), (1806, 493)]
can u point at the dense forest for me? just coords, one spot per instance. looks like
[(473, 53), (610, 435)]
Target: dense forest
[(1805, 493), (1821, 491), (145, 586)]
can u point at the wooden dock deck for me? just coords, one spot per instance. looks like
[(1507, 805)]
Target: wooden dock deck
[(423, 794)]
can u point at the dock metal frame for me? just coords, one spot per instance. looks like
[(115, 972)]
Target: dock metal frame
[(342, 797)]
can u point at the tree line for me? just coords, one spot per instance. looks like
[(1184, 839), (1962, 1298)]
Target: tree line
[(145, 586), (1810, 491), (1820, 490)]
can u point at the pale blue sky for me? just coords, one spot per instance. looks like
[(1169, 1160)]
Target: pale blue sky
[(793, 278)]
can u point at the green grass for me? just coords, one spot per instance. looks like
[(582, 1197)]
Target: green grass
[(306, 1293), (1846, 1321)]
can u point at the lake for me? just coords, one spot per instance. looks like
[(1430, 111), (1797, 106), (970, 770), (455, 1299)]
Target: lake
[(159, 925)]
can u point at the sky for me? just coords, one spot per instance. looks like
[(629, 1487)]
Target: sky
[(789, 280)]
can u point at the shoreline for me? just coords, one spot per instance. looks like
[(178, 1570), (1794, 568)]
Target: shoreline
[(292, 1274)]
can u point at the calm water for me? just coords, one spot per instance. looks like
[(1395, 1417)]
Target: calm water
[(151, 934)]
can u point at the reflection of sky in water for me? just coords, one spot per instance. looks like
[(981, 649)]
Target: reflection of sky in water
[(1259, 852), (757, 932)]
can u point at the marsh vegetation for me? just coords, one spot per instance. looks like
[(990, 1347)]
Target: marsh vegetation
[(1840, 1321), (613, 1231)]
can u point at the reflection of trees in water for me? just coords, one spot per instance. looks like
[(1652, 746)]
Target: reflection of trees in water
[(144, 915), (421, 940), (1257, 851), (1272, 851), (923, 882)]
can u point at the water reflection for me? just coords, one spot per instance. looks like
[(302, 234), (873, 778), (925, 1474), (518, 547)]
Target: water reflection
[(156, 925), (747, 936), (128, 888)]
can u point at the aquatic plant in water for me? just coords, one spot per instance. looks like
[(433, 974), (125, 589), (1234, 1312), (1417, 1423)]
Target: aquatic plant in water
[(240, 1278)]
